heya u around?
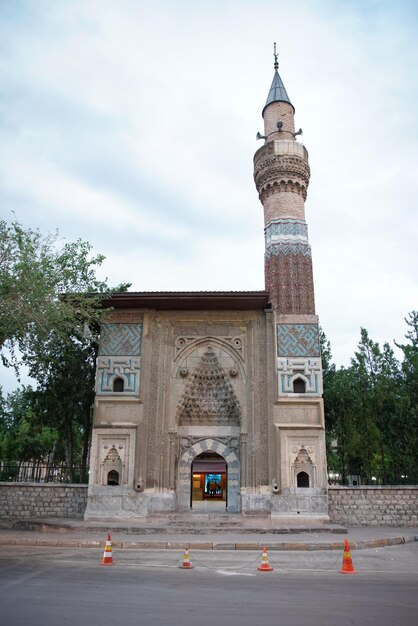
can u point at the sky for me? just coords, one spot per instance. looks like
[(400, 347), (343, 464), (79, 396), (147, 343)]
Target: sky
[(131, 124)]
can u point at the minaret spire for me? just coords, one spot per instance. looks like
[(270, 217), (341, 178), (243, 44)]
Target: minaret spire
[(281, 173), (278, 108), (276, 63)]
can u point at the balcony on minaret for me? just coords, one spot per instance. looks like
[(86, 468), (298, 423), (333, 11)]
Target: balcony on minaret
[(280, 147), (281, 175)]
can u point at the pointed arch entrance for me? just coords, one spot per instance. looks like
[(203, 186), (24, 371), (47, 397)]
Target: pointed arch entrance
[(209, 482), (223, 454)]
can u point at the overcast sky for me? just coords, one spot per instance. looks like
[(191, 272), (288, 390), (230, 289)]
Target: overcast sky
[(132, 123)]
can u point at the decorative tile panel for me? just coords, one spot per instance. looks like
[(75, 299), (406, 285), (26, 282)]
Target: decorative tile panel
[(309, 370), (126, 368), (120, 339), (289, 229), (297, 340), (287, 236), (303, 249)]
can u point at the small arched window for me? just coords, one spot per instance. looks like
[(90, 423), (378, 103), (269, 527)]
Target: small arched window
[(118, 385), (303, 479), (299, 386), (113, 478)]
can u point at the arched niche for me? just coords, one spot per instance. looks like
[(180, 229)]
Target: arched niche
[(118, 385), (299, 385), (302, 480), (113, 478), (112, 468), (304, 471)]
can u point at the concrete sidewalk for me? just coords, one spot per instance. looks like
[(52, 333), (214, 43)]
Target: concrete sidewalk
[(77, 534)]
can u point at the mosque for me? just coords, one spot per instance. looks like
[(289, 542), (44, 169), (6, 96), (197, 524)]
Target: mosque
[(214, 399)]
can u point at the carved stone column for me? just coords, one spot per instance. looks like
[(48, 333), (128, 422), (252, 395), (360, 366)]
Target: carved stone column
[(172, 437), (243, 444)]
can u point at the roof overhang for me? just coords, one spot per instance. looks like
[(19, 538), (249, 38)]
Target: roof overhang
[(190, 300)]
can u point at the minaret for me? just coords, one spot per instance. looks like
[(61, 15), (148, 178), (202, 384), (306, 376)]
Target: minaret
[(281, 173)]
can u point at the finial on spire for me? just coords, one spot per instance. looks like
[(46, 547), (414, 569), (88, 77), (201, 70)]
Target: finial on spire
[(276, 63)]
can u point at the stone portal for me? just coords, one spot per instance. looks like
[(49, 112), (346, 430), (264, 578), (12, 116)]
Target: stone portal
[(191, 450)]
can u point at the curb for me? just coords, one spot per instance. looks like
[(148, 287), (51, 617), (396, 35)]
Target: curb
[(199, 545)]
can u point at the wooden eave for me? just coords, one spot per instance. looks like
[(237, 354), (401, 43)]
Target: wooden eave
[(190, 300)]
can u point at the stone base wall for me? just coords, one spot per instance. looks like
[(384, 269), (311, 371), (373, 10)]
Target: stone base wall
[(374, 506), (29, 500), (355, 506), (119, 502)]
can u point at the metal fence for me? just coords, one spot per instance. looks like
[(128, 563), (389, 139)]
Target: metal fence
[(43, 473), (356, 477)]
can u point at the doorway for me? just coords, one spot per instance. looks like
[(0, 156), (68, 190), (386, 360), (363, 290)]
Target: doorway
[(209, 482)]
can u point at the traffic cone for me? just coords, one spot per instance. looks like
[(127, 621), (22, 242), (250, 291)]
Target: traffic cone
[(265, 567), (107, 554), (347, 567), (186, 560)]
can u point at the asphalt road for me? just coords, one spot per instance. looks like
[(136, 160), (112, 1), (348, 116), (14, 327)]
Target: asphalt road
[(53, 587)]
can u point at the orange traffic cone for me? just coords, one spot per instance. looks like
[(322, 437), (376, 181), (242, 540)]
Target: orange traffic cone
[(265, 567), (107, 554), (347, 567), (186, 560)]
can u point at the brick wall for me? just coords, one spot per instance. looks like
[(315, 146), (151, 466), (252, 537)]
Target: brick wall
[(26, 501), (374, 506)]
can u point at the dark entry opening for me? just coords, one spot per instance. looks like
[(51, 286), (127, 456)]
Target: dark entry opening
[(299, 386), (302, 479), (209, 479), (118, 385), (113, 478)]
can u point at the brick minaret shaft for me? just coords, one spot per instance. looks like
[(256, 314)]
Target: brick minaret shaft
[(281, 174)]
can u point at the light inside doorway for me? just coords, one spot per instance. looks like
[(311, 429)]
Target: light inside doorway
[(209, 480)]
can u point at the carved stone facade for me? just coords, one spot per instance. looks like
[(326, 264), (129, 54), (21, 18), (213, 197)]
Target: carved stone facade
[(226, 385), (209, 397)]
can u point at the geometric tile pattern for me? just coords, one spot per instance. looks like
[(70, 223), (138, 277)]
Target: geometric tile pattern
[(289, 248), (287, 228), (287, 236), (306, 368), (126, 368), (120, 339), (298, 340)]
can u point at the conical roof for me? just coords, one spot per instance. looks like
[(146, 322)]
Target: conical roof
[(277, 91)]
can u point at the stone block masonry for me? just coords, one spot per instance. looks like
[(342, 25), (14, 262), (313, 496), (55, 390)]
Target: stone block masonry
[(352, 506), (374, 506), (29, 500)]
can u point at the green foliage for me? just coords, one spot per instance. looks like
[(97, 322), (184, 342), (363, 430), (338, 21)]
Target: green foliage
[(47, 288), (23, 436), (371, 409), (51, 304)]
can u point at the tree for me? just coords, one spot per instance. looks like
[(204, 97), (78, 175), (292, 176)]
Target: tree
[(23, 436), (65, 394), (378, 392), (407, 440), (46, 287), (371, 409), (51, 304)]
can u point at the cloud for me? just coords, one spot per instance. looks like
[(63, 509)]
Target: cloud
[(133, 126)]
